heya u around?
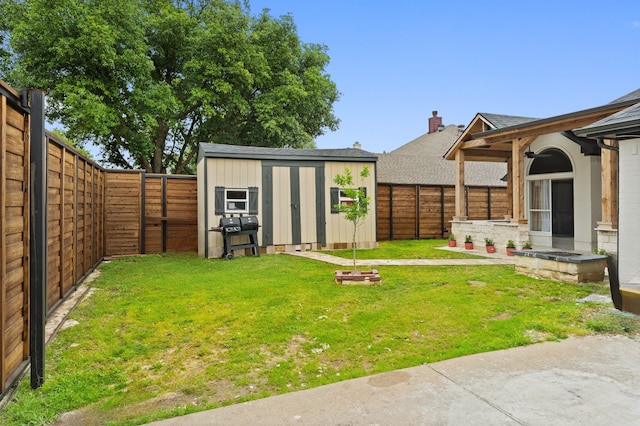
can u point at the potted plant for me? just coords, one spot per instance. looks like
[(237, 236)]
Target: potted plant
[(526, 245), (468, 243), (452, 240), (511, 246), (488, 243)]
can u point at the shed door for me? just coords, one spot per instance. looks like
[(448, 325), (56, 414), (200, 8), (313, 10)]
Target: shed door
[(282, 206), (294, 205)]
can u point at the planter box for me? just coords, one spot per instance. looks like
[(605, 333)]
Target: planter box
[(357, 277)]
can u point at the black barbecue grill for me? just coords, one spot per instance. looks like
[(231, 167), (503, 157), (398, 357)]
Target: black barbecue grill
[(231, 227)]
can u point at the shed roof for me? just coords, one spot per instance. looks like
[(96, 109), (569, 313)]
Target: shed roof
[(216, 150)]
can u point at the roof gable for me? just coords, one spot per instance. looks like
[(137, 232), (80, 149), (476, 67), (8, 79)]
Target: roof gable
[(500, 121), (494, 144)]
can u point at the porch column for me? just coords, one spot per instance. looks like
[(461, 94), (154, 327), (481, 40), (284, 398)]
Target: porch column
[(609, 169), (461, 205), (607, 229), (517, 181), (509, 214)]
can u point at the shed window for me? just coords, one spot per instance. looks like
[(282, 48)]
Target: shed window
[(236, 200), (338, 197)]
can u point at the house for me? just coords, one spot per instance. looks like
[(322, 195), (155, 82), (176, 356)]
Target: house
[(561, 185), (290, 191), (416, 187), (619, 134)]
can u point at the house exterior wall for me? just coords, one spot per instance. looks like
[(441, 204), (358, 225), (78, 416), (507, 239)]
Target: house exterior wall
[(629, 205), (339, 229), (587, 191)]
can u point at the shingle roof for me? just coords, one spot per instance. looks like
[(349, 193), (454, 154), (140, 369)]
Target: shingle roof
[(419, 170), (257, 152), (421, 162), (627, 120), (500, 121), (628, 97), (430, 144)]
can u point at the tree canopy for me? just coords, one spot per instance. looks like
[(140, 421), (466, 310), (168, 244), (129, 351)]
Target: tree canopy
[(147, 80)]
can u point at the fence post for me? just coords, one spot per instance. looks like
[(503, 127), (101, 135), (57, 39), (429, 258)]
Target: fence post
[(38, 235)]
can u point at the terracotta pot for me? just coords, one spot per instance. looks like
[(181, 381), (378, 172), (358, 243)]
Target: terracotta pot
[(468, 246), (452, 243), (526, 248), (491, 249), (510, 251)]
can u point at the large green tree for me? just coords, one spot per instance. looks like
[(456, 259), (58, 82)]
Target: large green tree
[(147, 80)]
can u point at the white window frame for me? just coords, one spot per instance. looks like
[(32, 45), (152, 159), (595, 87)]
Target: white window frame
[(550, 177), (229, 202), (343, 200)]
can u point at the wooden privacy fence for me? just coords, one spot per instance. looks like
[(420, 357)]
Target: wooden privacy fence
[(425, 211), (14, 236), (60, 215), (75, 223), (149, 213)]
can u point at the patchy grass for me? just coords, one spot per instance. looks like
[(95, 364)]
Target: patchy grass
[(165, 335), (406, 249)]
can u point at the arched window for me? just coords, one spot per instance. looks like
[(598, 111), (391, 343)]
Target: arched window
[(551, 160)]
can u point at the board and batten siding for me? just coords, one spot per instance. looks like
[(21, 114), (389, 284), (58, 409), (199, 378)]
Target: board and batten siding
[(229, 173), (339, 229), (308, 205)]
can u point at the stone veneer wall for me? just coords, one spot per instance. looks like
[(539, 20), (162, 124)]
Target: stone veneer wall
[(583, 272), (607, 238), (500, 231)]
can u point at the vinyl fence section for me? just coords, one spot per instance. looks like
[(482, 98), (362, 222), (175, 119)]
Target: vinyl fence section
[(425, 211)]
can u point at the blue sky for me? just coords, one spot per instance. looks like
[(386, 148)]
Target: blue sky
[(395, 62)]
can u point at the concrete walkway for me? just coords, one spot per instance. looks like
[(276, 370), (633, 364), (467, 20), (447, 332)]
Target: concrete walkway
[(490, 259), (578, 381)]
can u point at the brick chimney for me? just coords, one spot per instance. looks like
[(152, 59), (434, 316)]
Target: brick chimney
[(434, 122)]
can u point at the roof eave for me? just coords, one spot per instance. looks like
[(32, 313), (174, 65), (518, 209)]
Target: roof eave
[(543, 121), (612, 131)]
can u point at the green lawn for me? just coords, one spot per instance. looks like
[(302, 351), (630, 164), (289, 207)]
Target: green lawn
[(406, 249), (164, 335)]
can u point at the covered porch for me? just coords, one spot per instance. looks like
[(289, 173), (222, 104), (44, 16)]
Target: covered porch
[(562, 188)]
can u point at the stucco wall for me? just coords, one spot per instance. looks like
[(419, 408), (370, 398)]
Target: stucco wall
[(587, 190), (629, 204)]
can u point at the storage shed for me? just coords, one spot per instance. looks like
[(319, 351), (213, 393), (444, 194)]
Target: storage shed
[(290, 191)]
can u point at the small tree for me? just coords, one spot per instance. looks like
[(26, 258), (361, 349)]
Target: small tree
[(358, 207)]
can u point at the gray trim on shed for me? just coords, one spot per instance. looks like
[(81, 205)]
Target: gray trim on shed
[(214, 150)]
